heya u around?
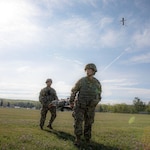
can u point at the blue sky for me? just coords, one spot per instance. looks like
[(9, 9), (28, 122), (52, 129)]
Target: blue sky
[(42, 39)]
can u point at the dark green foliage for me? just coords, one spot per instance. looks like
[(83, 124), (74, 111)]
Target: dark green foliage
[(20, 103), (138, 106)]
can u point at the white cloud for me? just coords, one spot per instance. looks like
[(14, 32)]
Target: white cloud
[(16, 13), (120, 90), (61, 5), (122, 93), (27, 78), (63, 89), (111, 86), (16, 24), (38, 37), (141, 39), (120, 82), (111, 38), (57, 4), (91, 2), (143, 58), (23, 69), (142, 5), (75, 32), (106, 2), (19, 90), (105, 21)]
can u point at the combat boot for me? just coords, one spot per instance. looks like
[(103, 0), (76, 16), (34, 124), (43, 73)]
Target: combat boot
[(50, 126), (77, 141), (41, 127), (87, 141)]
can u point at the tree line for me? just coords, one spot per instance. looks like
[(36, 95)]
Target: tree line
[(138, 106), (20, 104)]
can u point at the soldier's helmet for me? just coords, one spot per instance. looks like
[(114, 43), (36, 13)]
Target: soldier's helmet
[(48, 80), (91, 66)]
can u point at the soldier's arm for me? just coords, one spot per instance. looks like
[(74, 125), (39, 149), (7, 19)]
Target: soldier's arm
[(74, 91), (42, 97), (55, 95), (99, 90)]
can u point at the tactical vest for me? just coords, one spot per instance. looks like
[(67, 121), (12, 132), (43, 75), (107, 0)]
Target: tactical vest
[(89, 92), (47, 95)]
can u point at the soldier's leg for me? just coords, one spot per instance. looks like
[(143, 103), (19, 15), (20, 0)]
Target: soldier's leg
[(89, 120), (53, 116), (43, 116), (78, 121)]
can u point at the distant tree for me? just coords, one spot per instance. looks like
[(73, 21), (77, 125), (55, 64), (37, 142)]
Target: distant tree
[(123, 108), (1, 104), (120, 108), (8, 104), (97, 109), (105, 108), (138, 104), (148, 107), (29, 105), (38, 105)]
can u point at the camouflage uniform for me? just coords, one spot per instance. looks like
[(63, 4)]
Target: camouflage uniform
[(88, 94), (47, 95)]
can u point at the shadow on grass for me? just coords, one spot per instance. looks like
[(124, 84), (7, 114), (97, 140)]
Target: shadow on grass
[(62, 135), (84, 146)]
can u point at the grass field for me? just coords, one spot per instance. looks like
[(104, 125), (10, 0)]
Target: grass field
[(19, 130)]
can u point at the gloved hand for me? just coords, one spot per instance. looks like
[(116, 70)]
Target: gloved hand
[(72, 105), (50, 105)]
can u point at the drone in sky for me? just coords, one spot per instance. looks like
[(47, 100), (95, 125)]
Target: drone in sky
[(123, 21)]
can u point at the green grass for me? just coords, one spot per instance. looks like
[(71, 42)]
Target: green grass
[(19, 130)]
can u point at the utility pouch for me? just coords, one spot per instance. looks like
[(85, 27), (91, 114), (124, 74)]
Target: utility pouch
[(81, 105), (94, 102)]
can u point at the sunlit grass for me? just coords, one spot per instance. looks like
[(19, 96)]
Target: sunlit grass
[(19, 130)]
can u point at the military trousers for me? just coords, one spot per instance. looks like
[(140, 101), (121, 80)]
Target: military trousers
[(44, 111), (83, 120)]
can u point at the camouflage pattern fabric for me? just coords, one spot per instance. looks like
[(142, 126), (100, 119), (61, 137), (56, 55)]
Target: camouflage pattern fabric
[(47, 95), (88, 94), (86, 115), (44, 113)]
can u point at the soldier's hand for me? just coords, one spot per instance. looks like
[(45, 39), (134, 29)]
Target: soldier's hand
[(50, 105), (72, 105)]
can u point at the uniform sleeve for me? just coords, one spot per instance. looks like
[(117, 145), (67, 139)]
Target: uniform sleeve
[(55, 95), (75, 90), (42, 97), (99, 90)]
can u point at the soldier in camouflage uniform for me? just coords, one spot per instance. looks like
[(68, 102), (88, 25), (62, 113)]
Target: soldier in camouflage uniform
[(47, 95), (87, 92)]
